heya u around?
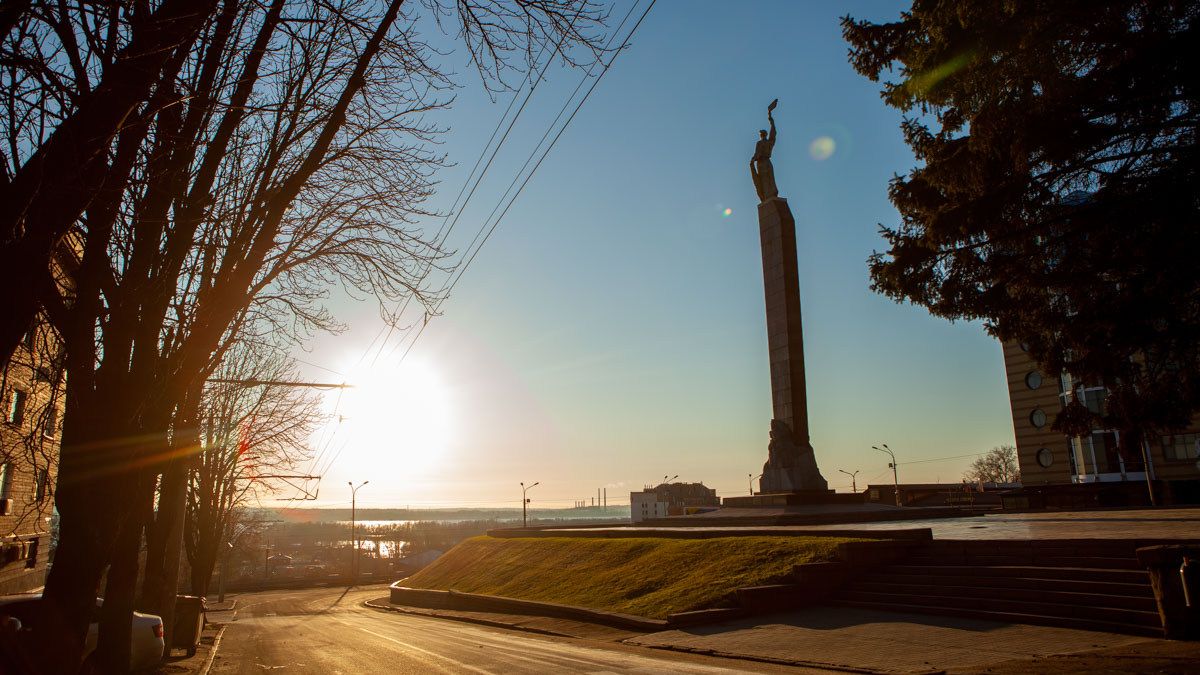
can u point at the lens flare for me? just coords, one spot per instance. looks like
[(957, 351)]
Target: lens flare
[(727, 212), (822, 148)]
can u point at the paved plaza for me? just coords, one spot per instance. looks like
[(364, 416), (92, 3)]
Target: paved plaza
[(1167, 523)]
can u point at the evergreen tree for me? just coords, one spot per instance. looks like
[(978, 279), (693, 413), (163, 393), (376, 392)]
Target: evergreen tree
[(1055, 196)]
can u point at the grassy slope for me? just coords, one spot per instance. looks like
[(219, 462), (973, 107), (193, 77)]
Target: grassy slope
[(643, 576)]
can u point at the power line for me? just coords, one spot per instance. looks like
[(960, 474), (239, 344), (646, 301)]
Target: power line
[(533, 152), (941, 459), (447, 225), (462, 270)]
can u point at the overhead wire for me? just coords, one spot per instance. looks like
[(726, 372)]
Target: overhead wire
[(439, 237), (467, 263), (448, 225)]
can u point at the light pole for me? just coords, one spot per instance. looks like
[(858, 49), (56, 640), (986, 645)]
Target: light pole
[(353, 531), (525, 502), (750, 479), (895, 475), (853, 483)]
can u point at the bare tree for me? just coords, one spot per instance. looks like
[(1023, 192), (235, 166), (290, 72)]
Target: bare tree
[(999, 465), (286, 152), (70, 77), (248, 433)]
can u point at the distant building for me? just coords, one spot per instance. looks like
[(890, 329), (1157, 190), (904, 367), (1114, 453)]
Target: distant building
[(29, 445), (671, 499), (645, 505)]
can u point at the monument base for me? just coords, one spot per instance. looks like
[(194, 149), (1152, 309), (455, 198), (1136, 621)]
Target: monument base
[(801, 476), (792, 498)]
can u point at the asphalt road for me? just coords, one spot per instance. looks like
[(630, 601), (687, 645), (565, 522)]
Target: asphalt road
[(329, 631)]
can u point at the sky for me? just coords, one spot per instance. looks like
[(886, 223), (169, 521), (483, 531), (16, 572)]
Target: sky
[(611, 330)]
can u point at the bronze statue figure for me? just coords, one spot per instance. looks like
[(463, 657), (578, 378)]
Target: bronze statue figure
[(761, 169)]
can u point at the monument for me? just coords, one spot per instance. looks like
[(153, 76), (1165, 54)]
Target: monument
[(791, 466)]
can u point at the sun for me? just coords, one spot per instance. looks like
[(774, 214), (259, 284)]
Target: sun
[(395, 415)]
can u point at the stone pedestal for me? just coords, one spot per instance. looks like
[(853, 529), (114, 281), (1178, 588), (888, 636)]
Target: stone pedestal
[(791, 466)]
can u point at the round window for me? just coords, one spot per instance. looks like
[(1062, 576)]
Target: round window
[(1045, 458), (1033, 379), (1038, 418)]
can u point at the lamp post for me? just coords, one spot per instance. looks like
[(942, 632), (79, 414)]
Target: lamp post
[(853, 483), (353, 531), (750, 479), (525, 502), (895, 475)]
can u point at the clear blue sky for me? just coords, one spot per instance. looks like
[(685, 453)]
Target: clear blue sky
[(612, 331)]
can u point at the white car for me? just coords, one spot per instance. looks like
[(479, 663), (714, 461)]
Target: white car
[(146, 642)]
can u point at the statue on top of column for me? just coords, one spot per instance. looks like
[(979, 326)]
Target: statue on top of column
[(761, 169)]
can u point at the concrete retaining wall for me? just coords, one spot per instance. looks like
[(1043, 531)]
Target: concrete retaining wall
[(909, 534)]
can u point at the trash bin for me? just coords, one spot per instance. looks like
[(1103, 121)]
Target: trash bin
[(189, 622), (1175, 577)]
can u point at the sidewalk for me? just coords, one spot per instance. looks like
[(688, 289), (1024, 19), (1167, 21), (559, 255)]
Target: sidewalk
[(216, 616), (861, 640)]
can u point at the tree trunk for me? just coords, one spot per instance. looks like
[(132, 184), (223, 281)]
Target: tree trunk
[(70, 594), (163, 561), (112, 651)]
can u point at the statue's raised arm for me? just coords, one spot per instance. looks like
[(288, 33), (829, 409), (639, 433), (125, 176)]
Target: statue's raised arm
[(761, 170), (771, 120)]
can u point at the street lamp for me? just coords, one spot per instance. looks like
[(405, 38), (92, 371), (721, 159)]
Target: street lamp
[(750, 479), (353, 531), (853, 484), (895, 475), (525, 502)]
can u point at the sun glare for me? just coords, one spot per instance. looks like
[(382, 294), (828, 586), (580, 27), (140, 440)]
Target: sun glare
[(396, 416)]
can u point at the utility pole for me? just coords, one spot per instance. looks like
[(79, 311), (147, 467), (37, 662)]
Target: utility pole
[(353, 531), (525, 502), (895, 475), (853, 484)]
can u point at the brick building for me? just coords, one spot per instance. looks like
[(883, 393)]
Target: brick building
[(32, 396)]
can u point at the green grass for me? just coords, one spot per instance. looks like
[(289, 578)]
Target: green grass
[(649, 577)]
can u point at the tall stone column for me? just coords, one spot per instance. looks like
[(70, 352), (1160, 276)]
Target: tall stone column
[(791, 465)]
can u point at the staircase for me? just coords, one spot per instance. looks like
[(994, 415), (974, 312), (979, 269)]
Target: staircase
[(1090, 585)]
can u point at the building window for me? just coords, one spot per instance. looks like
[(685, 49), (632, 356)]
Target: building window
[(1037, 418), (43, 479), (1093, 399), (28, 338), (1033, 379), (52, 421), (16, 407), (1045, 458), (6, 471), (31, 559), (1181, 446)]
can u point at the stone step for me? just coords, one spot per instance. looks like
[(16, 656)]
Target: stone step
[(1011, 617), (1098, 599), (1025, 572), (1113, 615), (1140, 589), (1038, 560)]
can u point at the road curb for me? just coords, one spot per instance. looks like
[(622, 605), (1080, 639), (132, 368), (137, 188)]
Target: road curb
[(212, 654), (780, 661), (464, 619)]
